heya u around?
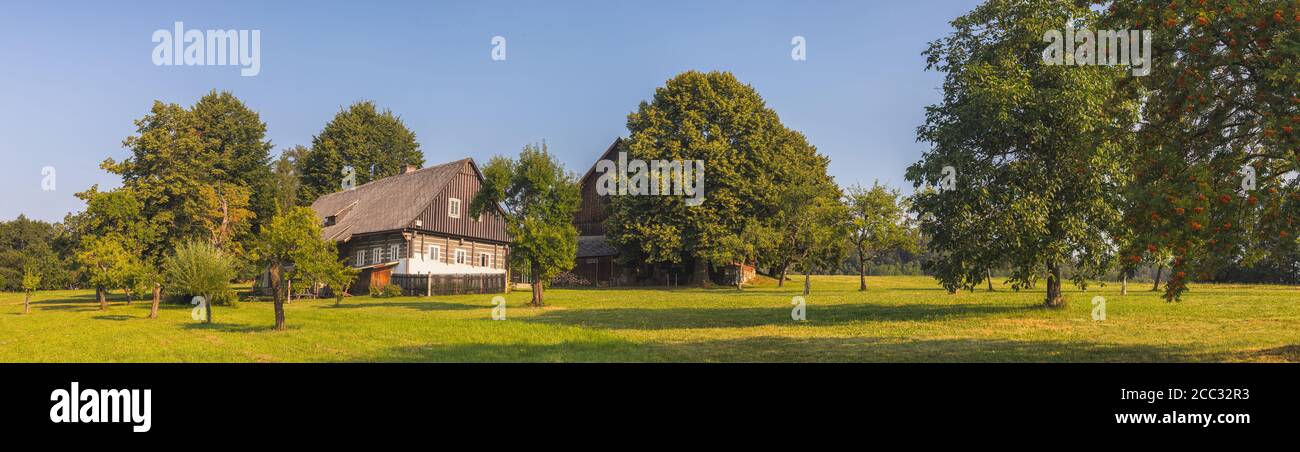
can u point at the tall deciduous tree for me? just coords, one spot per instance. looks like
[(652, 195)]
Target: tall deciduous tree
[(194, 171), (374, 144), (537, 199), (877, 222), (294, 239), (1038, 150), (1220, 135), (747, 152)]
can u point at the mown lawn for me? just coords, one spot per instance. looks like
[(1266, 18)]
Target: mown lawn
[(899, 319)]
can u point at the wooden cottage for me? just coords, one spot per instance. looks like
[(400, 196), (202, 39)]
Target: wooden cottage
[(414, 230)]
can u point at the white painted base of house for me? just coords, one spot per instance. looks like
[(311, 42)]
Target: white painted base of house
[(417, 266)]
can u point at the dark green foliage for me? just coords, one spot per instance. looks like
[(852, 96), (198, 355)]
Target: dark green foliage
[(375, 144)]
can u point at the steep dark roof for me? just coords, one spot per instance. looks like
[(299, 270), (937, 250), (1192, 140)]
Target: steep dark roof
[(386, 204), (595, 246)]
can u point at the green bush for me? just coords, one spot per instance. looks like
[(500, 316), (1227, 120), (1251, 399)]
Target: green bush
[(388, 291)]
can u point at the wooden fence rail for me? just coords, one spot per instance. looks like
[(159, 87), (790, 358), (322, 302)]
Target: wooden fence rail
[(419, 285)]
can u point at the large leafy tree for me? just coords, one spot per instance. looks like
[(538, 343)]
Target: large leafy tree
[(293, 239), (235, 137), (1039, 151), (1218, 138), (537, 199), (188, 168), (878, 222), (747, 153), (375, 144)]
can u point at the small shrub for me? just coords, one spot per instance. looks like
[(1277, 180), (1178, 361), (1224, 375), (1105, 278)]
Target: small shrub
[(388, 291)]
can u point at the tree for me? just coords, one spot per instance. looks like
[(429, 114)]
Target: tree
[(819, 238), (287, 173), (193, 173), (31, 282), (877, 222), (374, 144), (1218, 139), (235, 136), (35, 245), (536, 198), (714, 118), (293, 239), (200, 268), (338, 278), (111, 264), (1040, 152)]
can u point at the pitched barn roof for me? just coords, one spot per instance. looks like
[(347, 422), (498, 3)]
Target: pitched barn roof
[(386, 204), (595, 246)]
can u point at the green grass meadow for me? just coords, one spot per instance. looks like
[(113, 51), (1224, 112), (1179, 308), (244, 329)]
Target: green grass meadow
[(900, 319)]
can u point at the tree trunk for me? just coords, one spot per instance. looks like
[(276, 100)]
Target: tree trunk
[(102, 297), (277, 294), (1054, 297), (862, 272), (740, 276), (208, 307), (157, 297), (1123, 283), (988, 276), (807, 282), (701, 273), (27, 299), (1160, 271), (537, 285), (780, 280)]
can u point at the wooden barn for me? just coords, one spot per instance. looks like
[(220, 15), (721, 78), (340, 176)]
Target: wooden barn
[(596, 256), (414, 229)]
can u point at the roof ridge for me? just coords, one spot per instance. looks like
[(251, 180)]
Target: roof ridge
[(388, 179)]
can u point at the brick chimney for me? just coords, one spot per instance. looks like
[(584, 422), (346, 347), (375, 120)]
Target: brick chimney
[(409, 168)]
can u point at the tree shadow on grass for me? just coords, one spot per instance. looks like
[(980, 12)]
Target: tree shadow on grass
[(418, 305), (785, 349), (114, 317), (233, 328), (881, 349), (573, 351), (687, 318)]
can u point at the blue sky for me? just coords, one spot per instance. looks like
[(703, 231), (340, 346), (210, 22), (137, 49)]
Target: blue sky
[(77, 74)]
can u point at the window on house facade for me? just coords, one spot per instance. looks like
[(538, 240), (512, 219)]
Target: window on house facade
[(461, 257), (394, 252), (435, 253), (377, 254), (361, 257), (484, 260), (453, 208)]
